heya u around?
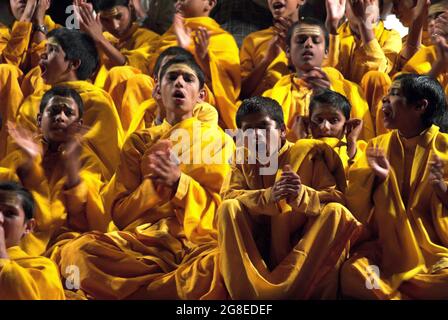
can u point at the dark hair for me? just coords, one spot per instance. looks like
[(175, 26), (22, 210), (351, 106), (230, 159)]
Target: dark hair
[(171, 51), (264, 105), (77, 45), (25, 196), (65, 92), (332, 98), (309, 21), (418, 87), (191, 63), (101, 5)]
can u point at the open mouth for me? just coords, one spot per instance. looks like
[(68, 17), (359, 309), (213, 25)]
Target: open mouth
[(387, 113), (43, 68), (278, 6), (179, 96)]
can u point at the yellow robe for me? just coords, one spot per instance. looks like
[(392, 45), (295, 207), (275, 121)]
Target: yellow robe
[(309, 240), (367, 65), (224, 65), (16, 47), (106, 134), (146, 114), (253, 50), (168, 246), (294, 97), (407, 222), (61, 213), (24, 277), (340, 147)]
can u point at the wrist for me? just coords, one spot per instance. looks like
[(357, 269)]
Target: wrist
[(3, 252), (332, 26)]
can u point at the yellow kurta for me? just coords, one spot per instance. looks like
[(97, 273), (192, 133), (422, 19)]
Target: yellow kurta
[(294, 97), (354, 60), (308, 240), (24, 277), (407, 222), (106, 134), (340, 147), (253, 51), (146, 114), (168, 246), (61, 213), (16, 47), (224, 65)]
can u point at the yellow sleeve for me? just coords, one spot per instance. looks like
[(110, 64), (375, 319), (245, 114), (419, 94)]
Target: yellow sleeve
[(247, 61), (29, 278), (333, 52), (258, 202), (15, 51), (130, 194), (206, 113)]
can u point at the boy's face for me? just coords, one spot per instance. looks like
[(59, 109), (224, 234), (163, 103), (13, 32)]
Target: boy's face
[(53, 63), (59, 114), (17, 8), (402, 10), (307, 48), (12, 218), (267, 134), (180, 89), (327, 121), (116, 21), (397, 113), (283, 8), (191, 8)]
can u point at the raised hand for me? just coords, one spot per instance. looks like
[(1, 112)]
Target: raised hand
[(353, 129), (41, 9), (25, 140), (420, 10), (335, 13), (87, 20), (201, 41), (300, 127), (316, 79), (378, 163), (183, 33), (28, 13)]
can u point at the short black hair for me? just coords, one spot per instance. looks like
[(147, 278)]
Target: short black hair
[(186, 61), (264, 105), (333, 98), (417, 87), (65, 92), (309, 21), (102, 5), (80, 46), (25, 196), (175, 51)]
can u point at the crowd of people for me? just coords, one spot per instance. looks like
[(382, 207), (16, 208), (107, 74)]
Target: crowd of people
[(154, 153)]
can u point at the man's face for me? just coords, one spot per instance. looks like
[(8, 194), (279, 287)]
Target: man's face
[(116, 21), (17, 8), (53, 64), (396, 112), (402, 10), (283, 8), (307, 48), (180, 89), (12, 218), (327, 121), (191, 8), (59, 114), (266, 133)]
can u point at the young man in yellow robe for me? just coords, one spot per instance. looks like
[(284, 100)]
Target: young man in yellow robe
[(214, 49), (70, 59), (283, 232), (164, 203), (307, 48), (262, 54), (124, 48), (65, 176), (330, 122), (361, 48), (22, 277), (151, 112), (398, 191), (22, 45)]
